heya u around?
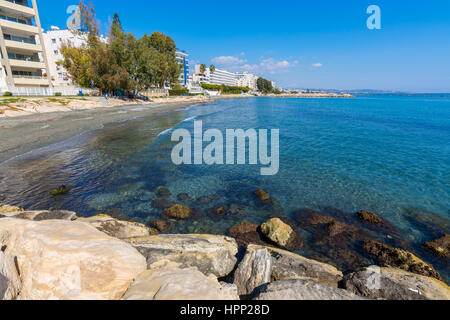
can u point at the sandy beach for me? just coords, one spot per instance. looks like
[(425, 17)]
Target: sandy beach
[(47, 123)]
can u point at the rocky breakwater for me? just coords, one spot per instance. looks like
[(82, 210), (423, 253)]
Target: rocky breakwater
[(56, 255)]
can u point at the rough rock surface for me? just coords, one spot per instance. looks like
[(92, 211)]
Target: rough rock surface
[(369, 217), (398, 258), (210, 254), (307, 217), (280, 233), (245, 233), (263, 196), (395, 284), (178, 211), (10, 283), (69, 260), (41, 215), (118, 229), (253, 271), (337, 228), (302, 290), (8, 209), (290, 266), (439, 247), (170, 282)]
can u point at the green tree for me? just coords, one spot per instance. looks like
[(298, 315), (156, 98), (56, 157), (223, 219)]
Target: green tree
[(202, 68), (264, 85), (212, 69)]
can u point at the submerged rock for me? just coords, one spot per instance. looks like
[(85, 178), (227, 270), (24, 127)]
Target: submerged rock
[(9, 209), (245, 233), (369, 217), (307, 217), (237, 209), (161, 225), (206, 200), (302, 290), (163, 192), (398, 258), (178, 211), (395, 284), (117, 228), (210, 254), (439, 247), (183, 197), (161, 204), (254, 271), (170, 282), (69, 260), (263, 196), (337, 228), (61, 190), (290, 266), (281, 233)]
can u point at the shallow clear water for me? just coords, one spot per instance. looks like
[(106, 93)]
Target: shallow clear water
[(390, 155)]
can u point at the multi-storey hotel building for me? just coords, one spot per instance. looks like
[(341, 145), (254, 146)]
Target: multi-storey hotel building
[(23, 57)]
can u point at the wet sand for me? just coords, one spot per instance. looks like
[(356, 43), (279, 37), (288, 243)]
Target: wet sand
[(19, 135)]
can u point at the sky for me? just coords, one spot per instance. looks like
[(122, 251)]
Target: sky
[(298, 44)]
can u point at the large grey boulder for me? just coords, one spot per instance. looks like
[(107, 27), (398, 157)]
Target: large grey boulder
[(69, 260), (395, 284), (118, 228), (254, 271), (10, 283), (290, 266), (41, 215), (208, 253), (302, 290), (167, 281)]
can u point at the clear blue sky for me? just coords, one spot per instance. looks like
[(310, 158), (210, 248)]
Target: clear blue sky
[(303, 44)]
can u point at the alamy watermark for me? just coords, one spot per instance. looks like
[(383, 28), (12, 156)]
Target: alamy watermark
[(212, 148), (74, 21), (374, 20)]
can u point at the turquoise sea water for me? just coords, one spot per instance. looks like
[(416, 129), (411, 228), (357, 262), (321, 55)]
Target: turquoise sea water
[(390, 155)]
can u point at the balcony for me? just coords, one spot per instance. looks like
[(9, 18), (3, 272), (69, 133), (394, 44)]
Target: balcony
[(30, 80), (17, 7), (28, 64), (23, 46), (14, 25)]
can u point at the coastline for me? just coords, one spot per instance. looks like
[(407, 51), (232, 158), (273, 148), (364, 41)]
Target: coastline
[(42, 129)]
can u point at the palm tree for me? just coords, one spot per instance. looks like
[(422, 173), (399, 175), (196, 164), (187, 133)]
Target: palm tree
[(203, 68), (212, 69)]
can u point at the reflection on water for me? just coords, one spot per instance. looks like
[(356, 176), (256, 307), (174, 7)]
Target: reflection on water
[(386, 155)]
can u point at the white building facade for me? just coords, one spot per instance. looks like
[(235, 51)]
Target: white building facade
[(24, 62), (247, 80), (54, 40)]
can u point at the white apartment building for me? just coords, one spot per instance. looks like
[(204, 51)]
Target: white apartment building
[(23, 57), (220, 77), (247, 80), (54, 39)]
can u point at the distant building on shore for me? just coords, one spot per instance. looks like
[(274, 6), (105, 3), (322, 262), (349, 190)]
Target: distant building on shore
[(54, 39), (223, 77), (247, 80), (24, 62), (183, 61)]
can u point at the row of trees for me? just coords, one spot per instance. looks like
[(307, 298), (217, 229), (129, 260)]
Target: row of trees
[(123, 62), (212, 68), (225, 89)]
